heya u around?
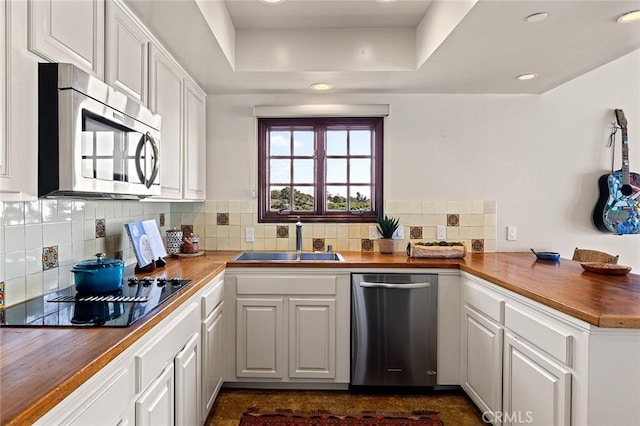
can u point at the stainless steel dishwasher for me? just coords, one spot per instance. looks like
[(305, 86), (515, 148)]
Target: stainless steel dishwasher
[(394, 329)]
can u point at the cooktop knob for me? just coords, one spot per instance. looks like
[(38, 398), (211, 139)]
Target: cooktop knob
[(161, 282), (176, 281), (133, 281), (146, 281)]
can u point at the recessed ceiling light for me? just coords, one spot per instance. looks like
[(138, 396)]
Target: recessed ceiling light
[(321, 86), (537, 17), (386, 1), (272, 1), (629, 16), (526, 76)]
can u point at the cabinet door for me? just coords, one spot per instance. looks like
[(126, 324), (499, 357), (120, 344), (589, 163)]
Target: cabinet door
[(4, 110), (69, 31), (165, 98), (155, 406), (537, 390), (482, 360), (259, 334), (118, 391), (211, 359), (312, 338), (187, 392), (194, 143), (127, 65)]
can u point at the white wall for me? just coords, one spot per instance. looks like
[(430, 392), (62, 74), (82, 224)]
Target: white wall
[(538, 156)]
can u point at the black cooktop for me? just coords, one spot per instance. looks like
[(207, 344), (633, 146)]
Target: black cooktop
[(68, 308)]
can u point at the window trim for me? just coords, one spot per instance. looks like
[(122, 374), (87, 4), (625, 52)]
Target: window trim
[(265, 215)]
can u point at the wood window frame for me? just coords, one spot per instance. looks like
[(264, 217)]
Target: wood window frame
[(320, 214)]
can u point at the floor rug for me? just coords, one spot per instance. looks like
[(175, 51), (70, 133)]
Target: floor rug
[(256, 417)]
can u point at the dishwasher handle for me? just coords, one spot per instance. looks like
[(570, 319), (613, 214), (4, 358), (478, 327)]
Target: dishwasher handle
[(398, 286)]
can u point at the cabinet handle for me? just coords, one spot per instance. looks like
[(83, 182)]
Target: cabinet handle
[(398, 286)]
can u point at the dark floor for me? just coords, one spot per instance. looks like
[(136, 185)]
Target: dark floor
[(455, 408)]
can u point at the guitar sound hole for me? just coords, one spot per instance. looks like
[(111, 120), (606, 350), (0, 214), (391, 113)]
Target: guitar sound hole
[(626, 190)]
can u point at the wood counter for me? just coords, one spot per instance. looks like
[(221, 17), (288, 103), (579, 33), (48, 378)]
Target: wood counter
[(39, 367)]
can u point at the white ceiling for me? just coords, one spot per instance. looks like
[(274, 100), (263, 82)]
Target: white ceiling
[(407, 46)]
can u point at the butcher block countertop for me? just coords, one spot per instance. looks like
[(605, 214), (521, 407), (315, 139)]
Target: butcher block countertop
[(39, 367)]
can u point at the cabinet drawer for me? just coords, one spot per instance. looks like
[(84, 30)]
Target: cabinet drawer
[(211, 298), (545, 335), (286, 284), (161, 351), (489, 303)]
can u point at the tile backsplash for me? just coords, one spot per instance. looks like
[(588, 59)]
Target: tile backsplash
[(40, 240), (222, 225)]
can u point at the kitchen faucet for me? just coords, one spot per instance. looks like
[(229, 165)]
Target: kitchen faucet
[(298, 235)]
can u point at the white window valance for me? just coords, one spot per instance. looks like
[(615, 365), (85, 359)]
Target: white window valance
[(328, 110)]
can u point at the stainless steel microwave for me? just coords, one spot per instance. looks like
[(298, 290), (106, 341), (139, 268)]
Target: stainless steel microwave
[(93, 142)]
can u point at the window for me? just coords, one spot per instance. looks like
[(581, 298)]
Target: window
[(321, 169)]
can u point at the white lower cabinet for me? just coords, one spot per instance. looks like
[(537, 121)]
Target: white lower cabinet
[(312, 338), (259, 338), (517, 361), (212, 353), (187, 365), (482, 361), (287, 327), (537, 390), (156, 405), (116, 388), (175, 399)]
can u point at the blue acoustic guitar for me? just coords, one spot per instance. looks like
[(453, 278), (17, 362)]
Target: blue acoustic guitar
[(617, 209)]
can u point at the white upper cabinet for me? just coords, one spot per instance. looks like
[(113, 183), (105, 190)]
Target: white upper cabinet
[(18, 106), (4, 145), (194, 143), (165, 98), (127, 51), (174, 96), (69, 31)]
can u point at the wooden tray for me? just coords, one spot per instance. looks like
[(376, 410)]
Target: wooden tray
[(605, 268), (200, 253), (436, 252)]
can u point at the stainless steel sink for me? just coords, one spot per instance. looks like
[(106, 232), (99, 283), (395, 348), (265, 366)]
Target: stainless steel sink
[(284, 256), (331, 257)]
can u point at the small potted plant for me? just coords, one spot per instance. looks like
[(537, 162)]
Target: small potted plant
[(387, 226)]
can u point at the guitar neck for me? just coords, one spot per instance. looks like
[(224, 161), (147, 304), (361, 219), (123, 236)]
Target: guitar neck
[(626, 179)]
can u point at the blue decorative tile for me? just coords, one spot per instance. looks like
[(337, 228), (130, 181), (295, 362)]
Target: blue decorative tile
[(49, 257), (100, 228)]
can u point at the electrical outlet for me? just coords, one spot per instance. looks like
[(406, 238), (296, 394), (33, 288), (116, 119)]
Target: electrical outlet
[(249, 235), (512, 233), (442, 232), (373, 232), (399, 234)]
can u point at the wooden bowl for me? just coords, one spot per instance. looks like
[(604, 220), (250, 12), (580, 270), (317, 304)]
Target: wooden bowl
[(605, 268)]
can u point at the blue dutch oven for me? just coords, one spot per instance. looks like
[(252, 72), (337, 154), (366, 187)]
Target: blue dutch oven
[(98, 275)]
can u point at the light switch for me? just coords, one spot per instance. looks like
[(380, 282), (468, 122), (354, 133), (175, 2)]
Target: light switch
[(442, 232), (399, 234)]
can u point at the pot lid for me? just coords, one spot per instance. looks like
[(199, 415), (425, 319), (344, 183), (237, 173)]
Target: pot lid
[(99, 263)]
